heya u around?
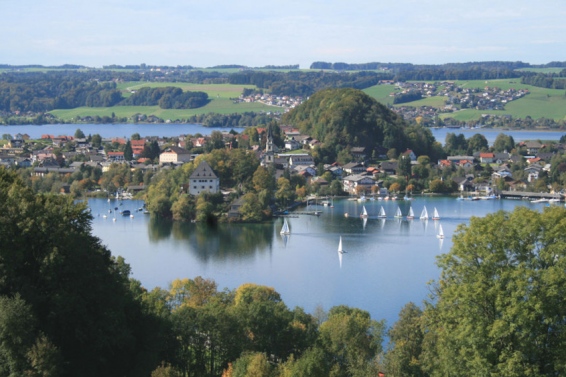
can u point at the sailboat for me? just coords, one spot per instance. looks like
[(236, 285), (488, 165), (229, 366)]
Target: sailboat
[(435, 215), (285, 228), (411, 214), (440, 234), (364, 213), (398, 214), (424, 214), (340, 250), (382, 214)]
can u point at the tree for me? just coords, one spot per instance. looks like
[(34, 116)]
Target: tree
[(96, 140), (404, 166), (128, 153), (79, 295), (498, 306), (263, 179), (503, 143), (406, 339), (79, 134), (477, 143), (135, 136)]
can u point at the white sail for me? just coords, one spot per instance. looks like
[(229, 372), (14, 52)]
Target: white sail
[(411, 214), (340, 249), (435, 215), (364, 212), (382, 214), (424, 214), (398, 214), (440, 232), (285, 228)]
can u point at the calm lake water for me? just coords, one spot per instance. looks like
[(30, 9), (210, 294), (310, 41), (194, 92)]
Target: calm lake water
[(169, 130), (388, 262)]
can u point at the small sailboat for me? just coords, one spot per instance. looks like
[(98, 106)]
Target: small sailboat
[(435, 215), (440, 234), (285, 228), (364, 213), (340, 249), (382, 214), (411, 214), (398, 214), (424, 214)]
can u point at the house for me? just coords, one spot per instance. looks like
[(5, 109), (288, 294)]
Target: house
[(533, 172), (354, 167), (234, 212), (465, 184), (486, 157), (174, 155), (457, 159), (115, 156), (466, 164), (352, 182), (389, 167), (500, 158), (300, 159), (292, 144), (307, 171), (358, 153), (410, 154), (203, 179), (533, 147)]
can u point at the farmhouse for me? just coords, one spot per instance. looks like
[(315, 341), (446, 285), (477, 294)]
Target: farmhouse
[(203, 179)]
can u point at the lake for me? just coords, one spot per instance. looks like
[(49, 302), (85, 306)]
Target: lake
[(388, 262), (171, 129)]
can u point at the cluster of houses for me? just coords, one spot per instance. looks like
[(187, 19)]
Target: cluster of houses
[(285, 102)]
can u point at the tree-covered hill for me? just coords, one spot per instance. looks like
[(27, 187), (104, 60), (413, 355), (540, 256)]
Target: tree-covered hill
[(344, 118)]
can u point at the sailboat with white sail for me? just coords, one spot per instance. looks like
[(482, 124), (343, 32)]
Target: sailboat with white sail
[(340, 249), (398, 214), (435, 215), (382, 214), (424, 214), (411, 214), (285, 230), (440, 234), (364, 214)]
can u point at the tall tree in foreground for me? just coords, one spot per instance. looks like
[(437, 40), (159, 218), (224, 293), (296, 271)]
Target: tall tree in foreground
[(77, 315), (499, 308)]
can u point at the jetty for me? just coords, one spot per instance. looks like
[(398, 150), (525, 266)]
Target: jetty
[(525, 195)]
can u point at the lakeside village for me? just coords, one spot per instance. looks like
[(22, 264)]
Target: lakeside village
[(528, 172), (456, 97)]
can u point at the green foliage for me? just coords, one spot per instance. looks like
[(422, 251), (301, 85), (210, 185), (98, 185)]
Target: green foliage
[(78, 294), (343, 118), (79, 134), (406, 342), (498, 306), (503, 143), (167, 98)]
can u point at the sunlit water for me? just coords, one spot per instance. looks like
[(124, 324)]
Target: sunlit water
[(388, 262)]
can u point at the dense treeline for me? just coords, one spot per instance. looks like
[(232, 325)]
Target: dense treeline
[(236, 120), (488, 65), (167, 98), (305, 83), (545, 81), (474, 73), (413, 95)]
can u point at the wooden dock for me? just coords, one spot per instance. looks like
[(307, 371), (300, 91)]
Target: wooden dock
[(524, 195)]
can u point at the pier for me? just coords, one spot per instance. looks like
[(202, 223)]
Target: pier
[(524, 195)]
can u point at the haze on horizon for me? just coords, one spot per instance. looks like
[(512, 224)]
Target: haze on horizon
[(258, 33)]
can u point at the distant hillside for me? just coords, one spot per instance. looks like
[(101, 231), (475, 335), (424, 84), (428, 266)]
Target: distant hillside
[(346, 118)]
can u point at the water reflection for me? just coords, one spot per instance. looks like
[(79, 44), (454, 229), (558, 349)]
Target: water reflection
[(219, 242)]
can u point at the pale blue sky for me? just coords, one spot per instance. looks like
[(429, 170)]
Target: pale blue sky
[(257, 33)]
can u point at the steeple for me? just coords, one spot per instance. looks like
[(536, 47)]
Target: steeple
[(269, 153)]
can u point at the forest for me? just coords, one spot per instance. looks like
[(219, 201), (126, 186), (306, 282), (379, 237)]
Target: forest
[(69, 308)]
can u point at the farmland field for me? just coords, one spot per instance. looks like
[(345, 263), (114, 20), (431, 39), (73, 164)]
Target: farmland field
[(541, 70), (540, 103)]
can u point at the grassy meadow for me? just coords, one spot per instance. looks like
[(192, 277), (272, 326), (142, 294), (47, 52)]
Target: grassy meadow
[(540, 103), (219, 95)]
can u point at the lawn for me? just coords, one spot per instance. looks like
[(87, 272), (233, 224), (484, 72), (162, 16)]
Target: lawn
[(541, 70), (381, 93)]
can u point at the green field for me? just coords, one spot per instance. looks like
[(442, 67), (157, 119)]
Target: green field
[(540, 103), (219, 95), (541, 70), (381, 93)]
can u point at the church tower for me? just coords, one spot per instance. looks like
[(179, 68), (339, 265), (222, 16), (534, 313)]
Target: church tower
[(269, 152)]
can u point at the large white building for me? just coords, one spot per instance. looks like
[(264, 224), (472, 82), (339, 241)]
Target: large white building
[(203, 179), (174, 155)]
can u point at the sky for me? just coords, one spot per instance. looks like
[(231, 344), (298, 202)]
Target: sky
[(206, 33)]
